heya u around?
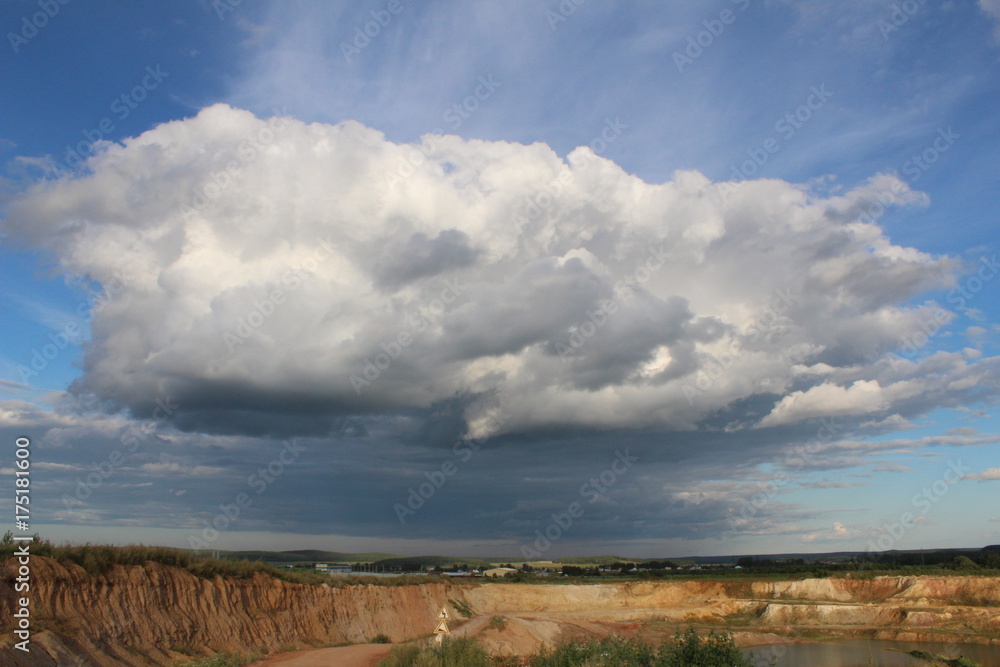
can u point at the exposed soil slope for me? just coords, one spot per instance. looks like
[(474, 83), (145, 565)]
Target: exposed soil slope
[(153, 614)]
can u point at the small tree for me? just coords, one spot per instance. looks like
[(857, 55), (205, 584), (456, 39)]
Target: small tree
[(964, 563), (990, 559)]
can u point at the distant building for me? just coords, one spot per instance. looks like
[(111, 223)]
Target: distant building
[(499, 572), (334, 568)]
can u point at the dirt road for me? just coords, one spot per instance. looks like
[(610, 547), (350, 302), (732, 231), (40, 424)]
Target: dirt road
[(362, 655)]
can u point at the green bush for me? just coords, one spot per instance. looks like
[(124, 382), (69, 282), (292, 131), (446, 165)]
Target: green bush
[(462, 608), (964, 563), (608, 652), (689, 650), (380, 638), (101, 558), (686, 649), (461, 652), (221, 660), (942, 660)]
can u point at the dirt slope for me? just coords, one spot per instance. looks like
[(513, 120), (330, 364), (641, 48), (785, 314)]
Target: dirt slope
[(153, 614)]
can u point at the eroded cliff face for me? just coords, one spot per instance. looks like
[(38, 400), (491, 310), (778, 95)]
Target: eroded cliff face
[(949, 609), (153, 614)]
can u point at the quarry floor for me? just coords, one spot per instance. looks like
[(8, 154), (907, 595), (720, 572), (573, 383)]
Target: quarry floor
[(364, 655)]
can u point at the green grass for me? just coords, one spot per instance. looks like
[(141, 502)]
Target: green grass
[(100, 559), (461, 652), (686, 649), (943, 660), (462, 608), (591, 561), (301, 556)]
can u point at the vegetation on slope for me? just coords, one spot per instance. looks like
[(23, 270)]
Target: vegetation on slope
[(220, 660), (686, 649), (301, 556), (101, 558)]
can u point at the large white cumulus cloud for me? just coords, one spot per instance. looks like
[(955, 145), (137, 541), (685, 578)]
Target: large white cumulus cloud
[(268, 262)]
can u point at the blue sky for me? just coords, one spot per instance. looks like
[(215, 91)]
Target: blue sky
[(859, 142)]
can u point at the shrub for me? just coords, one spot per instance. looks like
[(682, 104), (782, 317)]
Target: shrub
[(462, 608), (689, 650), (461, 652), (686, 649), (608, 652), (100, 558)]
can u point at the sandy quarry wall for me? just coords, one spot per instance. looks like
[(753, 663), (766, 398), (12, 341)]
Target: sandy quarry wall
[(152, 614)]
